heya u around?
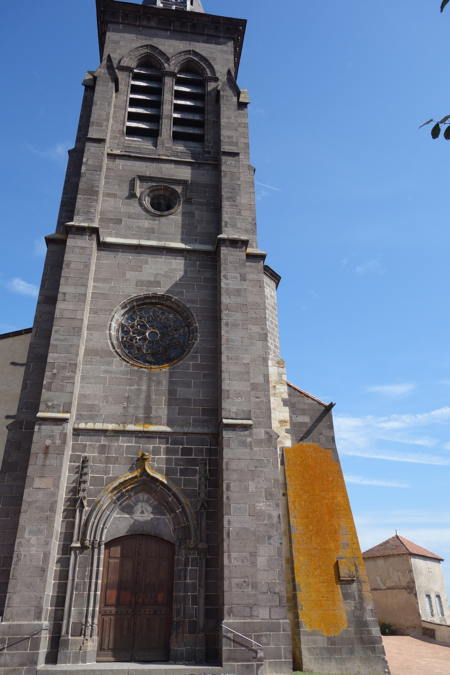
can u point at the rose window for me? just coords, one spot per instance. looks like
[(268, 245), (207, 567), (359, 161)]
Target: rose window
[(153, 334)]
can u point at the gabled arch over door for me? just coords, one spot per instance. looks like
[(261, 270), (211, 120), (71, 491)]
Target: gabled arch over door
[(135, 615)]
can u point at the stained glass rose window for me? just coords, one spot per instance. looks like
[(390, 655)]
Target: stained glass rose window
[(153, 332)]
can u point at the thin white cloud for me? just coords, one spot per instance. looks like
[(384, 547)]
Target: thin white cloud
[(57, 152), (393, 389), (361, 480), (373, 266), (39, 249), (388, 456), (18, 285), (421, 441), (269, 187), (440, 415), (405, 517), (387, 437), (265, 190)]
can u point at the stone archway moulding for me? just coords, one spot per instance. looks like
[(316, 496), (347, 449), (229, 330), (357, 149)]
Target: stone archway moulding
[(132, 59), (91, 540), (191, 55), (118, 491)]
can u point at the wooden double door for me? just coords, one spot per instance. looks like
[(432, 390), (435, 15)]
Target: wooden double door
[(135, 617)]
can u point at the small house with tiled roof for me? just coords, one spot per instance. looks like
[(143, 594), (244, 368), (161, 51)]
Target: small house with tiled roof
[(408, 588)]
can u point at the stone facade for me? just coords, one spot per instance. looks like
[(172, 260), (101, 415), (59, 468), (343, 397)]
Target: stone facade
[(101, 448)]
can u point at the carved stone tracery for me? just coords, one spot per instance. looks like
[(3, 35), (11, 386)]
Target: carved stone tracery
[(153, 331)]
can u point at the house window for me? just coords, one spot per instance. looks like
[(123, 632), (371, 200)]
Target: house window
[(430, 605), (144, 104), (189, 106), (440, 606)]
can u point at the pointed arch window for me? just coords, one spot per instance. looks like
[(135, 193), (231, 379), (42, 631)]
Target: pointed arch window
[(144, 103), (189, 105)]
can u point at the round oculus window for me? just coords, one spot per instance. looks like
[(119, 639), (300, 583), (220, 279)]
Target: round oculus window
[(153, 332), (160, 200)]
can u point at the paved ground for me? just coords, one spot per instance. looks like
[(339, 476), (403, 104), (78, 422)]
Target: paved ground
[(411, 656)]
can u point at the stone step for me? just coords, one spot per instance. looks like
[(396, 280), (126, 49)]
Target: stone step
[(131, 669)]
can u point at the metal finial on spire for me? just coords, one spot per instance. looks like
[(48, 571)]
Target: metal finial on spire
[(187, 5)]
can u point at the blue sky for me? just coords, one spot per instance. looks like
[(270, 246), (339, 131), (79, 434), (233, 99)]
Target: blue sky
[(353, 210)]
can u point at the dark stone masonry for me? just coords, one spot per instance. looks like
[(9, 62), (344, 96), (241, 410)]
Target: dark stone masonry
[(143, 506)]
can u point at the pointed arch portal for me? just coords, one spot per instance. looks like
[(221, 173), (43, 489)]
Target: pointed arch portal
[(139, 537)]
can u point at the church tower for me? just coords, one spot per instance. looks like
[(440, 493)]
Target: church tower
[(159, 471)]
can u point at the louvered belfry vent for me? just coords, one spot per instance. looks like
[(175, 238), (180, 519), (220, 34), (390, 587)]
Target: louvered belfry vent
[(144, 105), (189, 107)]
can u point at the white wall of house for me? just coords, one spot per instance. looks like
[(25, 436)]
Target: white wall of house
[(430, 588)]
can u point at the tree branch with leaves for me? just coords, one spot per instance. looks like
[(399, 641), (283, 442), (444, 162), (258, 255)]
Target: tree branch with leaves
[(445, 121)]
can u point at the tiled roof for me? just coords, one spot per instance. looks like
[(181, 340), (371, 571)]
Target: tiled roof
[(305, 393), (398, 545)]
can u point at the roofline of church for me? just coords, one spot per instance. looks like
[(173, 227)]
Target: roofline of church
[(116, 11), (15, 333), (308, 395)]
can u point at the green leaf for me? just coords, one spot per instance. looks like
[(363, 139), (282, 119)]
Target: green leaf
[(425, 123), (443, 4), (436, 130), (444, 119), (447, 134)]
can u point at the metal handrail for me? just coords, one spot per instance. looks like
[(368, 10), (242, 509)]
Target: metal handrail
[(245, 637)]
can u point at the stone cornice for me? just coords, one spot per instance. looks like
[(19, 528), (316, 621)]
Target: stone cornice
[(144, 16), (143, 428), (130, 154), (269, 272), (147, 243), (61, 416), (169, 245)]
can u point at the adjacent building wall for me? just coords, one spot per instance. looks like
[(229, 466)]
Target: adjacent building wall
[(394, 592), (438, 632), (13, 355), (429, 580)]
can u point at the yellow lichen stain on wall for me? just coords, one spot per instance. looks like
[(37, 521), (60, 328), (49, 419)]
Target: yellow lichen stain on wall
[(322, 531)]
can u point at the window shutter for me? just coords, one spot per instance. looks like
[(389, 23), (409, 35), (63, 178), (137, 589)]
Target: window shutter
[(189, 107), (144, 105)]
